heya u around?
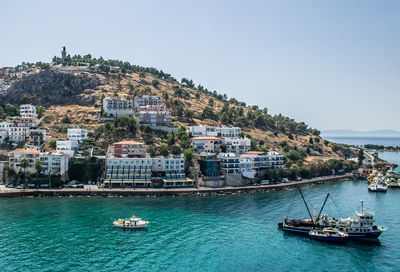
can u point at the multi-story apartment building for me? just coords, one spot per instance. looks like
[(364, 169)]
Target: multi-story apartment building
[(54, 164), (206, 144), (27, 110), (18, 134), (3, 136), (171, 167), (223, 132), (237, 145), (145, 100), (210, 165), (77, 134), (31, 122), (67, 147), (262, 161), (246, 168), (17, 155), (128, 171), (37, 136), (128, 164), (154, 118), (4, 125), (128, 149), (229, 163), (229, 132), (116, 106)]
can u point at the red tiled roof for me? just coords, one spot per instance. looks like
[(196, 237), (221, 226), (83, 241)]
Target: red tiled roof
[(206, 138), (255, 152), (129, 143), (26, 151)]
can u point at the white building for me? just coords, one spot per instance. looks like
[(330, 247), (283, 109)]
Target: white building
[(37, 136), (145, 100), (246, 168), (17, 155), (229, 163), (128, 172), (18, 134), (197, 131), (223, 132), (31, 122), (116, 106), (67, 147), (171, 167), (54, 164), (3, 136), (262, 161), (237, 145), (77, 134), (229, 132), (206, 144), (4, 125), (27, 110)]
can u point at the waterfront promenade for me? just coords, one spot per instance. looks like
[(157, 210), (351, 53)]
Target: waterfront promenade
[(92, 190)]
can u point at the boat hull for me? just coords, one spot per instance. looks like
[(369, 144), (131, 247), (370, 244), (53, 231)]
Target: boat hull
[(351, 235), (329, 239), (122, 226)]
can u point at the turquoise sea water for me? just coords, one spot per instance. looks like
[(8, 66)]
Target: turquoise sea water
[(227, 233)]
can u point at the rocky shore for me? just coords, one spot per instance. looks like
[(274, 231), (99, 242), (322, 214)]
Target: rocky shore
[(163, 192)]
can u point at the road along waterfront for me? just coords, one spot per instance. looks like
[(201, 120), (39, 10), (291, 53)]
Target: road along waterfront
[(159, 192)]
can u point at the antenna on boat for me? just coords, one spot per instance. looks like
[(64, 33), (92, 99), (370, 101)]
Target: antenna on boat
[(362, 205), (305, 203), (323, 205)]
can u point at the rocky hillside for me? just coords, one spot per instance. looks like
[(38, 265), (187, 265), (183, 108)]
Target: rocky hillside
[(76, 95)]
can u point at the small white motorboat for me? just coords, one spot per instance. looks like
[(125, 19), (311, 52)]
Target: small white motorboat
[(132, 223)]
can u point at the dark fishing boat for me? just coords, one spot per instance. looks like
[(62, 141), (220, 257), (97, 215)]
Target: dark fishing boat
[(361, 226)]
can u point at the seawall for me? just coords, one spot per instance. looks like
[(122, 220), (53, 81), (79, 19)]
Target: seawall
[(161, 192)]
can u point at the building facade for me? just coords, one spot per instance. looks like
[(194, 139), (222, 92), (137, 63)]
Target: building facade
[(3, 136), (116, 106), (154, 118), (262, 161), (171, 167), (223, 132), (128, 149), (37, 137), (209, 166), (67, 147), (77, 134), (18, 134), (206, 144), (237, 145), (29, 154), (229, 163), (145, 100), (54, 164), (27, 110), (31, 122)]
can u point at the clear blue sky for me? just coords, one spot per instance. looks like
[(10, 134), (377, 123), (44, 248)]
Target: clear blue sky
[(332, 64)]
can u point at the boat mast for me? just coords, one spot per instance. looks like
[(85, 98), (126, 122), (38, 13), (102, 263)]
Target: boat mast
[(323, 205), (305, 203)]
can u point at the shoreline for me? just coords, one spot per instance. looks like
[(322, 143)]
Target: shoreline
[(176, 192)]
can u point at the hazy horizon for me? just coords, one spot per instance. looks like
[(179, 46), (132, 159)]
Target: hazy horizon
[(332, 65)]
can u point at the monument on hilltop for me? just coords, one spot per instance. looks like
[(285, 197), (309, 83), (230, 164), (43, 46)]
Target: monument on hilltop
[(63, 56)]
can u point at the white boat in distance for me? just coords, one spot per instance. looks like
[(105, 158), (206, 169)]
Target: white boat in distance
[(132, 223)]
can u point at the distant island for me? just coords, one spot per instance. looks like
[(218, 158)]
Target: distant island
[(357, 133)]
